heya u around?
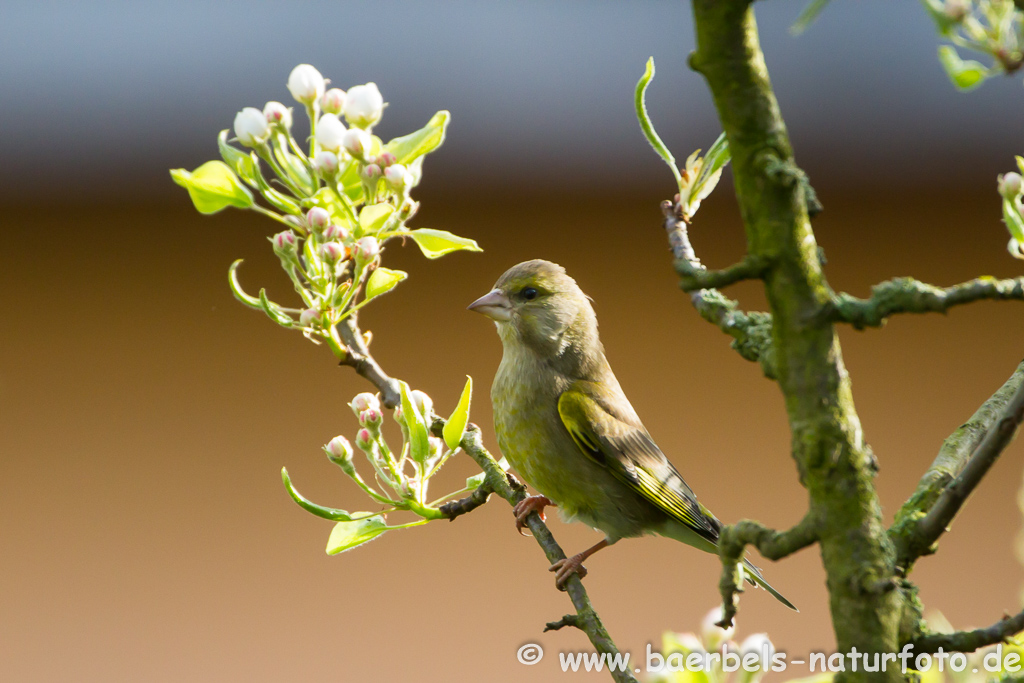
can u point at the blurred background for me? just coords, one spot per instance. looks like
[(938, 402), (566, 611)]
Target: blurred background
[(145, 414)]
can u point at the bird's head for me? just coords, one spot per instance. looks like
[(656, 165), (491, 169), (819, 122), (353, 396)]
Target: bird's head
[(535, 303)]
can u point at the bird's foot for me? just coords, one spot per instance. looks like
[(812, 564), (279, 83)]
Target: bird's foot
[(527, 505), (563, 569)]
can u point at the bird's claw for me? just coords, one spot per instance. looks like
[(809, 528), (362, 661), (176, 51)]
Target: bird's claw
[(527, 505), (563, 569)]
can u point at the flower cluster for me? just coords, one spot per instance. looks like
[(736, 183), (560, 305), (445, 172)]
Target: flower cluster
[(989, 27), (1011, 191), (402, 476), (340, 201)]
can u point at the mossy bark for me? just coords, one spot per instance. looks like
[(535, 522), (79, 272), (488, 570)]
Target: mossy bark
[(835, 464)]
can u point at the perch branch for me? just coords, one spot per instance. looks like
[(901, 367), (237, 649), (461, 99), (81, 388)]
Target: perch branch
[(358, 357), (962, 461), (969, 641), (906, 295), (773, 545), (751, 332)]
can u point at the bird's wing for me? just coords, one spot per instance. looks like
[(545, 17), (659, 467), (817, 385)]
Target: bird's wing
[(616, 440)]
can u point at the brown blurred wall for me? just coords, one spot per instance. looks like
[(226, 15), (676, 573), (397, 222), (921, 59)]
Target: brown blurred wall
[(145, 416)]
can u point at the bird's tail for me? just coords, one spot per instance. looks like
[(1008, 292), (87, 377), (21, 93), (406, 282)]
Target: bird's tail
[(754, 576)]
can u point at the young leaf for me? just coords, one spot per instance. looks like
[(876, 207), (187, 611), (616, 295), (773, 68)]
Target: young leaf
[(414, 145), (966, 75), (236, 288), (383, 280), (437, 243), (419, 446), (373, 217), (456, 425), (1020, 164), (347, 535), (236, 159), (213, 187), (1014, 221), (807, 17), (475, 481), (327, 513), (645, 122), (274, 311), (278, 200)]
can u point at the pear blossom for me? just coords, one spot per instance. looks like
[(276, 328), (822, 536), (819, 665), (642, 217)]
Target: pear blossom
[(306, 84), (329, 132), (251, 127), (364, 105)]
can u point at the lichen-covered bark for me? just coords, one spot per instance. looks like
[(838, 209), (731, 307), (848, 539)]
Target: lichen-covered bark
[(835, 464)]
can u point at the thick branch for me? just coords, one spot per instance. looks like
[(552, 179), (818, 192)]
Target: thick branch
[(457, 508), (358, 357), (978, 441), (906, 295), (774, 545), (586, 619), (751, 332), (969, 641), (750, 268)]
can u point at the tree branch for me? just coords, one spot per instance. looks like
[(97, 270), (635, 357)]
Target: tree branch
[(969, 641), (773, 545), (751, 332), (586, 619), (358, 357), (906, 295), (750, 268), (457, 508), (963, 460)]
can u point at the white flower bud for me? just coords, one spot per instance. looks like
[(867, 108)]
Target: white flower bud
[(367, 248), (278, 114), (306, 84), (397, 177), (424, 404), (329, 132), (357, 142), (251, 127), (363, 402), (333, 101), (1010, 185), (325, 163), (711, 633), (309, 317), (339, 449), (364, 105), (759, 644)]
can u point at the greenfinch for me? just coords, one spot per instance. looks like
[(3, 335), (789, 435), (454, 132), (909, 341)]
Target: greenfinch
[(565, 425)]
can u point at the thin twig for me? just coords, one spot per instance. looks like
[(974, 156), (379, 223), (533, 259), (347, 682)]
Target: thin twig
[(358, 357), (773, 545), (906, 295), (969, 641), (691, 278), (457, 508)]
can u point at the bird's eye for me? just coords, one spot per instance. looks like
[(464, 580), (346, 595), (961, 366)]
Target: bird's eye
[(529, 293)]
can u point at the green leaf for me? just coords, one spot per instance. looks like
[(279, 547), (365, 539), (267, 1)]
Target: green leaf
[(383, 280), (318, 510), (274, 311), (416, 171), (237, 290), (645, 122), (373, 217), (238, 160), (437, 243), (1020, 164), (966, 75), (410, 147), (476, 480), (1014, 221), (807, 17), (293, 166), (347, 535), (456, 425), (419, 446), (213, 187), (710, 172)]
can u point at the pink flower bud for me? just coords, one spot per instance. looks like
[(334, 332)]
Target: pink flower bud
[(335, 233), (332, 252), (339, 450), (364, 439), (370, 173), (251, 127), (277, 114), (285, 242), (309, 317), (367, 248), (333, 101), (385, 159), (318, 218), (329, 132), (325, 163), (306, 84), (365, 401), (1010, 185), (397, 177), (356, 142), (371, 417)]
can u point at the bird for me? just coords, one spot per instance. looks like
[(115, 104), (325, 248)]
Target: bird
[(565, 425)]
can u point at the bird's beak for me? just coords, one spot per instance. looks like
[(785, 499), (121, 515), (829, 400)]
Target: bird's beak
[(495, 305)]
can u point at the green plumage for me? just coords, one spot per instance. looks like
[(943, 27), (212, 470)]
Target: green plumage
[(565, 425)]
